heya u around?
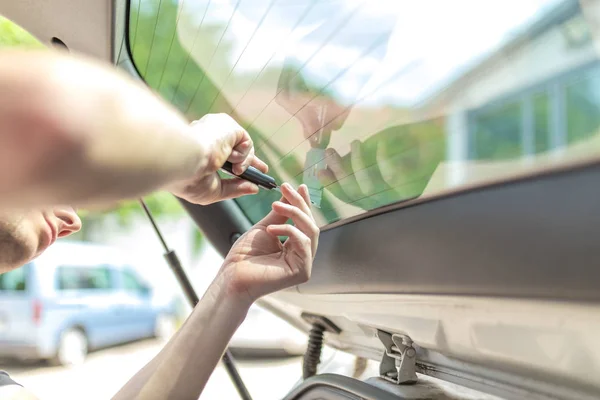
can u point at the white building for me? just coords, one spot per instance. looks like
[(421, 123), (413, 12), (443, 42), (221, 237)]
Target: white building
[(537, 93)]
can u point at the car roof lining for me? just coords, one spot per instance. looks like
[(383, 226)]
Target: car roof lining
[(85, 26)]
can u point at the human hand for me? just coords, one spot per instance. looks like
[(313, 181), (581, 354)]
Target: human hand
[(259, 264), (222, 139), (392, 165), (318, 113)]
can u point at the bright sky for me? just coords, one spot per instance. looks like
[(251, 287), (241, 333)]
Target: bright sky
[(368, 42)]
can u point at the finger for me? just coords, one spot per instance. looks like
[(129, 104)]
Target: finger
[(336, 164), (233, 188), (294, 198), (242, 148), (304, 222), (301, 220), (239, 153), (237, 159), (326, 177), (245, 156), (345, 178), (299, 242), (303, 190), (260, 164), (273, 218), (361, 169)]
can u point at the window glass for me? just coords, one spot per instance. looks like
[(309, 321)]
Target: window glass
[(131, 282), (15, 280), (541, 109), (376, 102), (583, 107), (83, 278), (498, 132)]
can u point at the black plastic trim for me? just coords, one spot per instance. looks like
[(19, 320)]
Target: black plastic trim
[(221, 223)]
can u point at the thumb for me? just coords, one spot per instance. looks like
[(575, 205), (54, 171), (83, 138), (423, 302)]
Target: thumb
[(234, 188)]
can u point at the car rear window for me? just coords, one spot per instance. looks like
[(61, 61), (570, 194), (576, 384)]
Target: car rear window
[(376, 102), (15, 280), (83, 278)]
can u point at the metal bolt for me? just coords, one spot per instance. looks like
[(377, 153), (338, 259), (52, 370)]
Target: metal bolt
[(410, 352)]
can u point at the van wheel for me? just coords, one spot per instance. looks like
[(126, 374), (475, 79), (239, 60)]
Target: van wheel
[(164, 327), (72, 348)]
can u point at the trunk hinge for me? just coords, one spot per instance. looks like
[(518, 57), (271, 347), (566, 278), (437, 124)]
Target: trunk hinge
[(398, 364)]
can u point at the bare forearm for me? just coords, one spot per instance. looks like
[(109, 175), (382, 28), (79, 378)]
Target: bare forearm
[(75, 132), (183, 367)]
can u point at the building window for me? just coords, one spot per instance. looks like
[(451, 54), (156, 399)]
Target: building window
[(541, 122), (498, 132), (582, 98), (555, 114)]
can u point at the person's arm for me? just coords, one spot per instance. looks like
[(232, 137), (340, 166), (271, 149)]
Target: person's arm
[(73, 131), (257, 264)]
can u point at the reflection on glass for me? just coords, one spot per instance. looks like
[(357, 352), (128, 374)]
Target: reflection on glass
[(498, 133), (541, 110), (582, 98), (375, 102)]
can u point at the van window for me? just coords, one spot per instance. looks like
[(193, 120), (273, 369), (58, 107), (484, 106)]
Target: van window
[(131, 283), (80, 278), (15, 280)]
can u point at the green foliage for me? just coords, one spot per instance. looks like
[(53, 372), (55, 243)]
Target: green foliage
[(169, 68), (166, 65), (12, 35)]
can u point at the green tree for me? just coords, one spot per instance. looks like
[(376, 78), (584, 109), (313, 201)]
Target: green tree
[(12, 35), (166, 65)]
